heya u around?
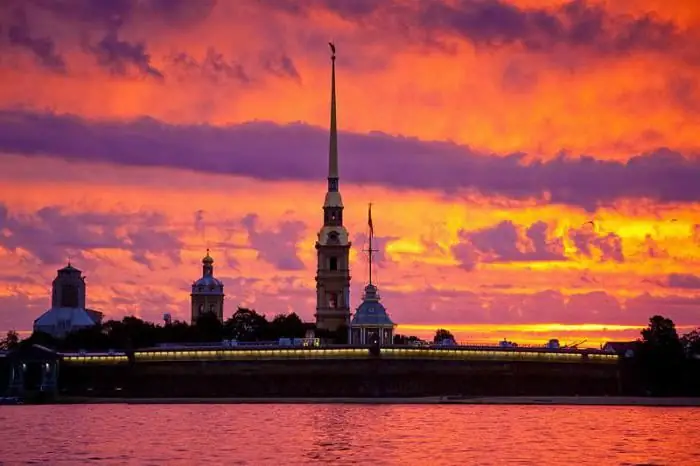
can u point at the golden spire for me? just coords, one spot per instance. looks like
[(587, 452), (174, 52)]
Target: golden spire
[(333, 149)]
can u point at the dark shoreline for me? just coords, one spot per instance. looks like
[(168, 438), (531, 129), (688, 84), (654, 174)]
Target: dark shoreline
[(498, 400)]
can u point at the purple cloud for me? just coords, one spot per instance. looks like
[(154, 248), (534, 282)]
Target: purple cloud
[(43, 48), (52, 235), (282, 66), (609, 245), (19, 309), (213, 67), (577, 24), (506, 242), (119, 57), (379, 244), (432, 306), (278, 247), (684, 280), (297, 151), (114, 14)]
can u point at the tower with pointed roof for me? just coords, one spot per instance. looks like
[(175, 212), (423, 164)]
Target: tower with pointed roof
[(207, 292), (333, 244)]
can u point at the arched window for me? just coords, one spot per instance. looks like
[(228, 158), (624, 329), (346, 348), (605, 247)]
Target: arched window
[(333, 263), (333, 300)]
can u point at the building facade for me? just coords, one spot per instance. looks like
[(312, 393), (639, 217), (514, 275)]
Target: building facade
[(333, 244), (207, 292), (371, 323), (68, 300)]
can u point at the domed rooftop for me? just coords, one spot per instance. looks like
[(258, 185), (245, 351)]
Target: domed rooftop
[(208, 280), (371, 311), (208, 284)]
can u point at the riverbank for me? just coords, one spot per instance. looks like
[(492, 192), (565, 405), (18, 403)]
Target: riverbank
[(511, 400)]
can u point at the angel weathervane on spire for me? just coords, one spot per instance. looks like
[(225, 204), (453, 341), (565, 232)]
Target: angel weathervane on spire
[(332, 50)]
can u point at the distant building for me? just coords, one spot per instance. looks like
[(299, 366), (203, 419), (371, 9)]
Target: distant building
[(68, 312), (621, 348), (207, 292), (333, 244), (371, 323)]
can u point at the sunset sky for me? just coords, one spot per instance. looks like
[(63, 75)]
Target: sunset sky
[(534, 165)]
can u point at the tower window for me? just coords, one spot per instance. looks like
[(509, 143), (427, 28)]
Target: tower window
[(211, 308), (333, 301), (69, 296), (333, 263)]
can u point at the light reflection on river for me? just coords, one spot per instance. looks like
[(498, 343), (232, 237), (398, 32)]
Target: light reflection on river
[(348, 434)]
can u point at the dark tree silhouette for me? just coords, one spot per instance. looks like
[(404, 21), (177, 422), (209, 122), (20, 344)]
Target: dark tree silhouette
[(287, 326), (208, 328), (91, 338), (10, 342), (176, 332), (442, 334), (131, 332), (661, 335), (405, 339), (246, 325), (40, 338), (661, 356), (691, 342)]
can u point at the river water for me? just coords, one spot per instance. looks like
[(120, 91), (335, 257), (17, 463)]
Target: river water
[(348, 434)]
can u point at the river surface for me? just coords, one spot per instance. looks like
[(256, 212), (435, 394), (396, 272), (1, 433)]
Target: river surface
[(348, 434)]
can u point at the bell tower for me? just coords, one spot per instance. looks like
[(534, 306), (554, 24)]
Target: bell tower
[(207, 292), (333, 245)]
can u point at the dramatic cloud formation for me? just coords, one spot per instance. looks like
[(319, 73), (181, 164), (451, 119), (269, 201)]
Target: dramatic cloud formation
[(276, 247), (43, 48), (577, 24), (506, 243), (52, 235), (533, 166), (294, 152)]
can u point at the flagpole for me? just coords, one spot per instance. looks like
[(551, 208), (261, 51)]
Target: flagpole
[(371, 234)]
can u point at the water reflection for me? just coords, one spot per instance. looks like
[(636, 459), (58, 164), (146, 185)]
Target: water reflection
[(348, 434)]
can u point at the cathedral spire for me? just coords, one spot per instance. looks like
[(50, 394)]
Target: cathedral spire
[(333, 147)]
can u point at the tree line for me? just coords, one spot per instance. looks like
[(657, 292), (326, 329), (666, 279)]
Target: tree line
[(244, 325)]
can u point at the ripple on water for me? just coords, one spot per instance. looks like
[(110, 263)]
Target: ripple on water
[(348, 434)]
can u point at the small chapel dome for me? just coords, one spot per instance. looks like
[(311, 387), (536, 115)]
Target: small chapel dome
[(207, 282), (371, 311), (207, 259)]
